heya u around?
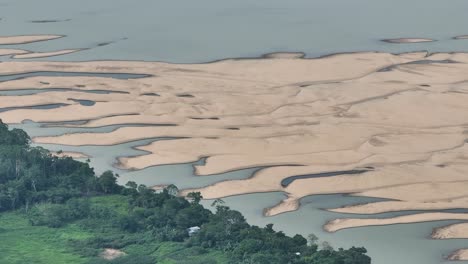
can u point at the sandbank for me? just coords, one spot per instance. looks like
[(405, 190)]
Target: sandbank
[(451, 231), (459, 255), (407, 40), (24, 39), (5, 52), (402, 114), (339, 224), (35, 55)]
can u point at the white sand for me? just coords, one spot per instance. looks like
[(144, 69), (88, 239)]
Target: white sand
[(35, 55), (408, 40), (406, 119), (338, 224), (5, 52), (461, 254), (24, 39)]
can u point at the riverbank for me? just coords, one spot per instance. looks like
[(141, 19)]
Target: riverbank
[(402, 116)]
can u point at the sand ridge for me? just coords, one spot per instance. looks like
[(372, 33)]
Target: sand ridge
[(404, 115)]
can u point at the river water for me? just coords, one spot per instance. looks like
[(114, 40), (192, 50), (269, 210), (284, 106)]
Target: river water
[(206, 30)]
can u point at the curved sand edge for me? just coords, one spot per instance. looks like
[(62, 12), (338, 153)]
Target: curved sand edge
[(461, 37), (458, 255), (454, 231), (25, 39), (407, 40), (35, 55), (10, 52), (404, 115), (345, 223)]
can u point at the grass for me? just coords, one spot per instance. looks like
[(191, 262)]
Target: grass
[(118, 203), (22, 243)]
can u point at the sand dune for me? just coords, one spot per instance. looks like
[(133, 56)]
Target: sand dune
[(403, 115)]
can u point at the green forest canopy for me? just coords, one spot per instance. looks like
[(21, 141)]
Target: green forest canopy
[(60, 193)]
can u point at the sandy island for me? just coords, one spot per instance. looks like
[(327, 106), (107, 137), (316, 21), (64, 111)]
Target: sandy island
[(35, 55), (407, 40), (461, 254), (403, 115), (25, 39), (10, 52), (461, 37)]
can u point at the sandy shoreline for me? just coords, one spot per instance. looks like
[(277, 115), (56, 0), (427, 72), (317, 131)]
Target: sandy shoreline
[(75, 155), (345, 223), (35, 55), (404, 115), (459, 255), (25, 39)]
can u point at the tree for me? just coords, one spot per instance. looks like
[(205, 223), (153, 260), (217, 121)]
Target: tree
[(132, 185), (195, 197), (108, 182), (312, 239), (172, 190), (326, 246), (217, 203)]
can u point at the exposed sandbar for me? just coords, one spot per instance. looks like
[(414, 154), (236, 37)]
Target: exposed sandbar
[(461, 37), (35, 55), (459, 255), (24, 39), (295, 116), (339, 224), (5, 52), (451, 231), (407, 40)]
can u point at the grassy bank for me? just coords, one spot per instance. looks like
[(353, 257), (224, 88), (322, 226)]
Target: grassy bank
[(23, 243)]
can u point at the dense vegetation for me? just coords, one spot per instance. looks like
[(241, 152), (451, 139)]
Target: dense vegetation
[(62, 212)]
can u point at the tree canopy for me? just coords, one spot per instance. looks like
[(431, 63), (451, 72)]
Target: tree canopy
[(56, 191)]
